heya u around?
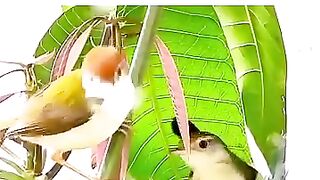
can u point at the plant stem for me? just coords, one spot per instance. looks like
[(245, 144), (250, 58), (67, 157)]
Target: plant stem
[(139, 61)]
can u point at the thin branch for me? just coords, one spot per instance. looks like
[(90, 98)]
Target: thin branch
[(57, 167), (9, 95), (139, 61), (15, 63), (15, 70)]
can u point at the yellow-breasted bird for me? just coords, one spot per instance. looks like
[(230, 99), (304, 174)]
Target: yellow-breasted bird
[(210, 158), (80, 109)]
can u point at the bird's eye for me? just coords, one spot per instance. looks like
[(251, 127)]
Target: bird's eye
[(203, 144), (119, 72)]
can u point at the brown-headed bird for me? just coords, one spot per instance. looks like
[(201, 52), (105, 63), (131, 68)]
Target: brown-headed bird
[(80, 109), (210, 158)]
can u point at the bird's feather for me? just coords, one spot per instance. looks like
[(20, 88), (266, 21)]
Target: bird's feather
[(53, 119)]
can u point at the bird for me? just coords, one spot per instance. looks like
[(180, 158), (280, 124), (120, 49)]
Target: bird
[(80, 109), (210, 158)]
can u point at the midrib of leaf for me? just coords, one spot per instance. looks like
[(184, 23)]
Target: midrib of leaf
[(220, 61), (259, 60), (156, 111), (159, 123), (154, 133)]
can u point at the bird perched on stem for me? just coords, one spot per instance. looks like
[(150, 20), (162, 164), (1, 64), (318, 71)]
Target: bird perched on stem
[(80, 109), (210, 159)]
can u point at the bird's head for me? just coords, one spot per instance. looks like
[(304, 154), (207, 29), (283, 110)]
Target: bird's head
[(103, 67), (206, 148), (105, 63)]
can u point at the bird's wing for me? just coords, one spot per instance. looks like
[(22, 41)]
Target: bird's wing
[(53, 119)]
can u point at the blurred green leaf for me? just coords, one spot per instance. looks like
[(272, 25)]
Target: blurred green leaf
[(12, 164), (112, 162), (6, 175), (65, 8), (21, 172), (254, 39)]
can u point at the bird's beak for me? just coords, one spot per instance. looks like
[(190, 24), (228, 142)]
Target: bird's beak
[(180, 149)]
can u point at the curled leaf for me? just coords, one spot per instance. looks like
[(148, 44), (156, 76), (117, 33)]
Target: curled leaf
[(176, 91), (98, 154), (71, 49), (44, 58)]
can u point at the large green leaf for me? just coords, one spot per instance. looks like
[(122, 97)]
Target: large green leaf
[(196, 41), (255, 42)]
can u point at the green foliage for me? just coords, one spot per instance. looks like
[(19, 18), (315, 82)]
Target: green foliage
[(196, 41), (255, 43), (61, 29), (6, 175), (20, 172), (65, 8), (209, 72)]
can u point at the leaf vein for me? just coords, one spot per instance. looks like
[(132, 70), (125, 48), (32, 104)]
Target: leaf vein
[(142, 147), (193, 14), (159, 165)]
